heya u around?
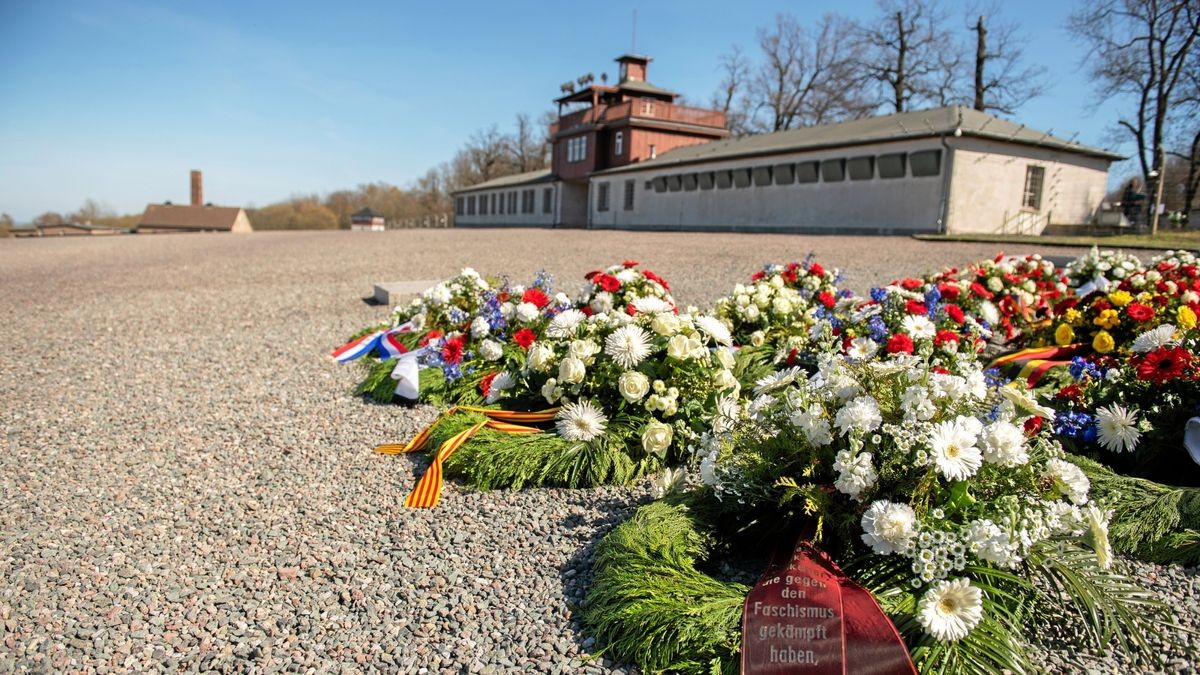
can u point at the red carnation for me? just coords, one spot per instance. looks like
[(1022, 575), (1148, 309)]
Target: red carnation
[(524, 337), (1163, 365), (593, 274), (915, 307), (452, 351), (1033, 425), (485, 385), (656, 279), (1139, 312), (955, 312), (630, 309), (629, 263), (791, 357), (789, 274), (948, 291), (911, 283), (980, 291), (429, 337), (536, 297), (826, 298), (900, 342), (940, 370), (608, 282), (816, 269), (757, 276), (587, 310), (944, 336)]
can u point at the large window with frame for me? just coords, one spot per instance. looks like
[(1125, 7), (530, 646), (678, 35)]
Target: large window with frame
[(483, 199), (547, 200), (458, 206), (577, 149), (630, 186), (601, 196), (471, 205), (1035, 177)]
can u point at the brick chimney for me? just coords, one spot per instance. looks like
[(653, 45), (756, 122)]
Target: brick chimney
[(633, 67), (197, 189)]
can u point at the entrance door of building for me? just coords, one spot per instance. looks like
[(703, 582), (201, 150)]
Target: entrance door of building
[(574, 207)]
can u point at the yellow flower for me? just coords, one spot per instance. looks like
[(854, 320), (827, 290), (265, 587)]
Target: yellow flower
[(1186, 317), (1063, 335), (1074, 316), (1103, 342), (1120, 298), (1107, 319)]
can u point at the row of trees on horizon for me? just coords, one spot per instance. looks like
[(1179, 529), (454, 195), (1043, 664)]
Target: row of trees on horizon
[(911, 54)]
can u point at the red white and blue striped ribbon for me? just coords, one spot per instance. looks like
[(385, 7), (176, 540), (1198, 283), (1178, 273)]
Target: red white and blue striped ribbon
[(384, 343)]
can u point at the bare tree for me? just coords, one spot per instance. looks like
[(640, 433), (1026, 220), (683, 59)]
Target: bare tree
[(806, 76), (528, 146), (1001, 81), (90, 212), (487, 155), (49, 218), (1186, 135), (1141, 49), (731, 96), (902, 53)]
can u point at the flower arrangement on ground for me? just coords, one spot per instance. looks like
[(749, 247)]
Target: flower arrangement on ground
[(1097, 270), (780, 305), (926, 485)]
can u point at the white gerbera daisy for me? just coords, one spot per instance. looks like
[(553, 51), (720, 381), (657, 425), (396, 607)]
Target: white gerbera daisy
[(918, 326), (861, 413), (1118, 428), (777, 380), (1069, 480), (564, 324), (582, 421), (651, 305), (715, 329), (1097, 520), (953, 449), (862, 349), (628, 345), (889, 527), (1154, 338), (950, 609)]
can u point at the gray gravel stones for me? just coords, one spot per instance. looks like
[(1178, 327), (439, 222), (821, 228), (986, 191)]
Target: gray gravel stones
[(186, 482)]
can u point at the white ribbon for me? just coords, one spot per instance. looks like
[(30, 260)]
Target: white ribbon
[(1191, 438), (407, 374)]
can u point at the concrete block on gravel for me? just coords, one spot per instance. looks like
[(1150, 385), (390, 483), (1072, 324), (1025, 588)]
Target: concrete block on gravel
[(393, 292)]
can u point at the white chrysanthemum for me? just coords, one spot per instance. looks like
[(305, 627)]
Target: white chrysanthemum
[(1003, 443), (1069, 479), (918, 326), (889, 527), (856, 473), (1097, 521), (628, 346), (988, 542), (527, 312), (917, 403), (602, 303), (950, 609), (480, 327), (582, 421), (501, 383), (564, 324), (651, 305), (812, 423), (952, 446), (1118, 428), (715, 329), (491, 350), (989, 312), (777, 380), (861, 413), (1154, 338), (862, 349)]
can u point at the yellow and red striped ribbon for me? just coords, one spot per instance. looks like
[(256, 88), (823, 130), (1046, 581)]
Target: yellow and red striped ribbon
[(429, 489), (1036, 361)]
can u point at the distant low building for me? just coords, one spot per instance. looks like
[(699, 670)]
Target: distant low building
[(195, 217), (367, 220), (73, 230)]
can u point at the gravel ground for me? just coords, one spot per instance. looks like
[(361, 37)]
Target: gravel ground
[(186, 481)]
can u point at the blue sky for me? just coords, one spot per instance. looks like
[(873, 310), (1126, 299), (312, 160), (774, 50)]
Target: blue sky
[(116, 101)]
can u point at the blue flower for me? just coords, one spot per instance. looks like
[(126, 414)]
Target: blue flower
[(878, 294), (878, 328)]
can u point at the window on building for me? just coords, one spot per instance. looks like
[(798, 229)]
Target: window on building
[(660, 184), (548, 200), (619, 143), (1035, 176), (577, 149), (471, 205), (833, 170), (762, 175), (690, 182), (494, 210), (891, 166), (707, 180), (512, 203), (648, 107), (526, 201), (724, 179), (807, 172), (741, 178), (785, 174), (630, 186), (674, 183), (483, 205), (458, 206), (925, 163), (601, 196), (861, 168)]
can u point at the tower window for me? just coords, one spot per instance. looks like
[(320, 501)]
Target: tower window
[(619, 144)]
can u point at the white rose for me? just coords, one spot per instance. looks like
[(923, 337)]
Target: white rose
[(752, 313), (633, 385), (995, 284), (541, 357), (781, 305), (665, 324), (742, 300), (507, 309), (551, 391), (417, 321), (725, 358), (724, 379), (527, 312), (584, 349), (656, 438), (776, 282), (757, 338), (480, 327), (571, 370), (491, 350), (679, 347)]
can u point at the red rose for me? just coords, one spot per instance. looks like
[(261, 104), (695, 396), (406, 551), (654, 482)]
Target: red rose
[(452, 351), (524, 337), (1032, 426), (1139, 312), (630, 309), (915, 307), (608, 282), (629, 263), (816, 269), (900, 343), (955, 312), (536, 297), (911, 284), (587, 310), (1162, 364), (485, 385), (429, 337), (826, 298), (944, 336), (656, 279)]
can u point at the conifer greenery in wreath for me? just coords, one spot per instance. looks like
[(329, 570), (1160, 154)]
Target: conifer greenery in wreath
[(922, 484)]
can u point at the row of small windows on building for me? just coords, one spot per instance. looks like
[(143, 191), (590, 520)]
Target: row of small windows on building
[(501, 203), (889, 166)]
